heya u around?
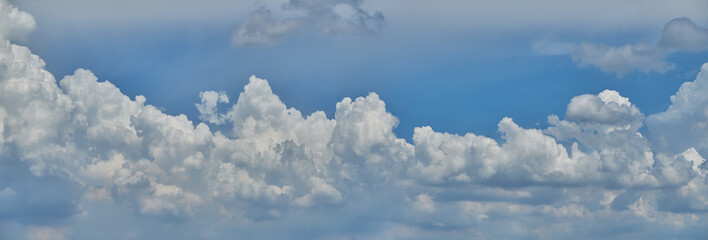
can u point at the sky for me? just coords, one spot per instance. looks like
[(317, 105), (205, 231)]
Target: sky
[(353, 119)]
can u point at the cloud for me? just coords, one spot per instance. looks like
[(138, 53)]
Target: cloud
[(679, 35), (682, 34), (329, 16), (621, 60), (78, 152), (15, 24), (424, 203), (260, 27), (207, 108), (685, 123), (47, 233)]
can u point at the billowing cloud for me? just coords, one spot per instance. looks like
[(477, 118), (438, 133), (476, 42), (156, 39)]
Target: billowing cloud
[(207, 108), (15, 24), (685, 123), (77, 155), (329, 16), (680, 34)]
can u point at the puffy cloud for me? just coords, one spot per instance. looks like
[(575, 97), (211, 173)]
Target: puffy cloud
[(79, 151), (685, 123), (15, 24), (276, 162), (207, 108), (330, 16), (607, 110)]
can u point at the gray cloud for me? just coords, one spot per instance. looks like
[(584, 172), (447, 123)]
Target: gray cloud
[(678, 35), (682, 34), (621, 60), (330, 17)]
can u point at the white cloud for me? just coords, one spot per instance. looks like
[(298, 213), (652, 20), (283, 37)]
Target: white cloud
[(685, 123), (102, 172), (277, 161), (15, 24), (607, 108), (278, 169), (207, 108)]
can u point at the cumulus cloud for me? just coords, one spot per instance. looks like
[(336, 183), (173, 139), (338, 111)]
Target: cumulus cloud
[(329, 16), (78, 151), (207, 108), (685, 123), (678, 35), (15, 24)]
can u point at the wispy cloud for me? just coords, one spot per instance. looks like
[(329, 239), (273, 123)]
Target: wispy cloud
[(678, 35), (329, 16)]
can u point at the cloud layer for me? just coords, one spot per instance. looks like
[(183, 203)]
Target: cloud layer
[(78, 159)]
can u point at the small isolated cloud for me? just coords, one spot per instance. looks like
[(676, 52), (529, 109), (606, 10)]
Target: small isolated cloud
[(329, 16), (680, 34), (608, 107)]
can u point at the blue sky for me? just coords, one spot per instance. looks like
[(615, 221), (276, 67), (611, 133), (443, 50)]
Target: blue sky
[(547, 119)]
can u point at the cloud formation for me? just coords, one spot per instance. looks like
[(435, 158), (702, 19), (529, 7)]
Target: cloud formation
[(329, 16), (15, 24), (678, 35), (77, 155), (682, 34), (621, 60)]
